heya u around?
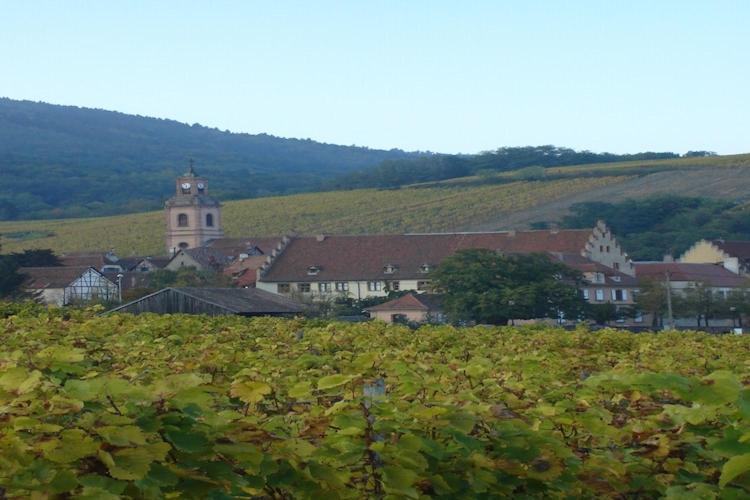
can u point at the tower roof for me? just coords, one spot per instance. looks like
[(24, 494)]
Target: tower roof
[(191, 170)]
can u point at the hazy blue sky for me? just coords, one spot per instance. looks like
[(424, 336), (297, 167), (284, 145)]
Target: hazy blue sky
[(619, 76)]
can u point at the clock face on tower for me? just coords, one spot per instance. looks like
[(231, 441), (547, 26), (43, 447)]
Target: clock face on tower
[(201, 185), (185, 185)]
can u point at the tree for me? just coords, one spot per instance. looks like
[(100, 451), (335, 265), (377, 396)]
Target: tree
[(651, 299), (10, 279), (602, 313), (700, 301), (487, 287)]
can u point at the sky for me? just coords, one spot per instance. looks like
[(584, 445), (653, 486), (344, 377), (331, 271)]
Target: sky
[(417, 75)]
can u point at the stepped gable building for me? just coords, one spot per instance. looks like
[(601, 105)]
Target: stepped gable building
[(372, 265), (733, 255), (193, 217)]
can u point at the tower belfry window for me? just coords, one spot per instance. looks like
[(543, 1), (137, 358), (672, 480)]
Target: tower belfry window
[(209, 220), (182, 220)]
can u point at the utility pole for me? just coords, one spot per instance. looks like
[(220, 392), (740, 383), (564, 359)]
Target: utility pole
[(670, 317)]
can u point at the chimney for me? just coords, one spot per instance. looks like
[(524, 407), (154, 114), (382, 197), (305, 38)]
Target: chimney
[(320, 237)]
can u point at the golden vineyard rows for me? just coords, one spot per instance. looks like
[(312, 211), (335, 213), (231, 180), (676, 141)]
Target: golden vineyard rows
[(196, 407), (358, 211)]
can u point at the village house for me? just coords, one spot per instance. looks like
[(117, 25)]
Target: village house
[(733, 255), (410, 308), (200, 258), (372, 265), (63, 285), (682, 276)]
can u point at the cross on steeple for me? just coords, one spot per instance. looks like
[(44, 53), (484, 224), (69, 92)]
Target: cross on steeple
[(191, 171)]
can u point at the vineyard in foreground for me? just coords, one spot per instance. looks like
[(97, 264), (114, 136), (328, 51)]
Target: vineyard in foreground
[(152, 406)]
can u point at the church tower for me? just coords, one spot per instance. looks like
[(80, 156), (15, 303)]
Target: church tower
[(193, 217)]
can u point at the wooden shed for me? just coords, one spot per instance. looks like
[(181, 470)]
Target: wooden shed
[(213, 302)]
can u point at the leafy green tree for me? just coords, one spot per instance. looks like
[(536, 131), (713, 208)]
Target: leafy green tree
[(10, 279), (602, 314), (651, 299), (487, 287), (702, 302)]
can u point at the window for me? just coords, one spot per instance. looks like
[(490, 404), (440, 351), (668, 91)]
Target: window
[(183, 245), (395, 285), (399, 319), (182, 220), (342, 286), (303, 287), (389, 269), (209, 220), (585, 293), (374, 286), (601, 248), (619, 295), (324, 287), (638, 317), (615, 279), (424, 268), (616, 265), (599, 294), (423, 285), (313, 270), (607, 248), (283, 288)]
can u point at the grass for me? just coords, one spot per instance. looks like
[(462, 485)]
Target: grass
[(356, 211)]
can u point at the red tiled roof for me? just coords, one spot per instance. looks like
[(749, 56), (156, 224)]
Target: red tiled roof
[(734, 248), (583, 264), (365, 257), (712, 274), (235, 246), (410, 302)]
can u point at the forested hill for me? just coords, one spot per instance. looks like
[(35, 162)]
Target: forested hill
[(66, 161), (428, 168)]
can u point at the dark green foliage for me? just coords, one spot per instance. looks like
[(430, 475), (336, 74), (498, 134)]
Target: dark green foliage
[(602, 314), (650, 228), (65, 161), (487, 287), (392, 173), (10, 277)]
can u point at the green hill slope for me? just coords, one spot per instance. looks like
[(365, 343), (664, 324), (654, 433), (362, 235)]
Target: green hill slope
[(66, 161)]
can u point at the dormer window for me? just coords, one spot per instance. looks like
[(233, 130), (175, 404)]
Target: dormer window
[(616, 279), (389, 269), (313, 270), (425, 268)]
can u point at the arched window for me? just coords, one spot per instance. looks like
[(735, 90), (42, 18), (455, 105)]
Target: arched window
[(182, 220), (209, 220), (183, 245)]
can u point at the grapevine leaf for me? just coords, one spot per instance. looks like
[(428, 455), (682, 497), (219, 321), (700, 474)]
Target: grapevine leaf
[(734, 467), (332, 381), (250, 391)]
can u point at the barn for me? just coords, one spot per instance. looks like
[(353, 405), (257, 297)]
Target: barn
[(213, 302)]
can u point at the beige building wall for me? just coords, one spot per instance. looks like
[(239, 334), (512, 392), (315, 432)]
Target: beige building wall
[(196, 233), (356, 289), (703, 252), (182, 260), (415, 316), (604, 248)]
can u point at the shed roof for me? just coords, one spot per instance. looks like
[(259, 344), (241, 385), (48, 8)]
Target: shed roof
[(39, 278), (251, 301)]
